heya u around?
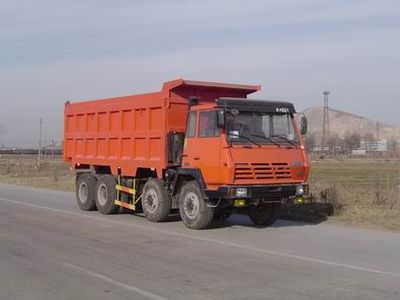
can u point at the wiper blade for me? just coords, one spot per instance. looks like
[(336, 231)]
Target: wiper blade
[(284, 138), (267, 138), (245, 137)]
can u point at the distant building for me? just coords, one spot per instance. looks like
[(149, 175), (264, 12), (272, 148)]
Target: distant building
[(359, 152), (374, 146)]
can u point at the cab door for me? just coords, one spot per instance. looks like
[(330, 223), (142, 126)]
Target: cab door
[(202, 147)]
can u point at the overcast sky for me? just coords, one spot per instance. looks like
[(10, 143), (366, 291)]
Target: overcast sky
[(52, 51)]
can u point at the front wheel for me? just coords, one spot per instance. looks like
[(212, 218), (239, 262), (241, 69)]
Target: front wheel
[(222, 215), (193, 209), (264, 214)]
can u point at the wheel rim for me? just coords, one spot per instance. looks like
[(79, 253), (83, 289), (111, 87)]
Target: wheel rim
[(191, 205), (151, 201), (83, 192), (102, 195)]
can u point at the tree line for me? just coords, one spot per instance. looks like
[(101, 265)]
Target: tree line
[(348, 143)]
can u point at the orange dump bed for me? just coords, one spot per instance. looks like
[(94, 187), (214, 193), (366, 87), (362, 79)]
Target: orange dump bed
[(126, 133)]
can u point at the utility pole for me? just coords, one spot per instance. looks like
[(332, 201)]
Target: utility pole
[(40, 142), (53, 146), (378, 132), (325, 124)]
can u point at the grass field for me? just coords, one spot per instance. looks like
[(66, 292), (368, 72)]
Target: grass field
[(53, 173), (355, 171), (364, 192)]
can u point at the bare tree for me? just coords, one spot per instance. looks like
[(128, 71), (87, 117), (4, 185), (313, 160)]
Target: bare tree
[(368, 137), (335, 144), (393, 147), (352, 141), (2, 132), (309, 140), (333, 140), (2, 129)]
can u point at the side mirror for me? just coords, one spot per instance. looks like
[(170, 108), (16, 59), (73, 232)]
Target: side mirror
[(220, 119), (304, 125)]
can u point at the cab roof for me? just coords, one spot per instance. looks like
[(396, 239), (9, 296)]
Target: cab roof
[(256, 105)]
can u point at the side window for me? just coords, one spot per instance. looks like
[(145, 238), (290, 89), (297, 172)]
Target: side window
[(208, 124), (282, 125), (191, 125)]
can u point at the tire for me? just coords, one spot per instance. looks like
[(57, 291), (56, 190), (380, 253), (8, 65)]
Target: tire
[(156, 203), (86, 191), (264, 214), (193, 209), (222, 215), (106, 194)]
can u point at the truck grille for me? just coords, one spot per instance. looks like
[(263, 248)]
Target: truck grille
[(261, 172)]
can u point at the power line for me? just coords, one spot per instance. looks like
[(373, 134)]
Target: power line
[(40, 142)]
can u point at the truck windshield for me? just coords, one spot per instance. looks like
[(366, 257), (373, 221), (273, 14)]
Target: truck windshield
[(259, 127)]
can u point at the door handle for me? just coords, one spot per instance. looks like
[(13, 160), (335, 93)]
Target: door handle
[(196, 158)]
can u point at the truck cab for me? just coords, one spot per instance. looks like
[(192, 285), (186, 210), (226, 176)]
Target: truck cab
[(246, 154)]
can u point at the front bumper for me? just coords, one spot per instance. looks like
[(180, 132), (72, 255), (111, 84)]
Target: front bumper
[(266, 193)]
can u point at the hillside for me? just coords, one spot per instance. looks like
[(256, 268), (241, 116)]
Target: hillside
[(344, 123)]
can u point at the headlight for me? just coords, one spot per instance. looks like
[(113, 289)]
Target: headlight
[(299, 190), (241, 192)]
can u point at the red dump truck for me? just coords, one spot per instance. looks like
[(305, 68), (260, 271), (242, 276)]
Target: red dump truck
[(200, 148)]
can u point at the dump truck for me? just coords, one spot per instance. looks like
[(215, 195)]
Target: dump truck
[(198, 148)]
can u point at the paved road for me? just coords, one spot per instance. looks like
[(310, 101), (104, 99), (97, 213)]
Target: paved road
[(51, 250)]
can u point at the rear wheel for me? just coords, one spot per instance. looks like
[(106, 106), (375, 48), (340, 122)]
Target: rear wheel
[(264, 214), (106, 194), (156, 203), (86, 191), (193, 209)]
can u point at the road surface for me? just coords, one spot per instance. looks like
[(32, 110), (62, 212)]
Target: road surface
[(49, 249)]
